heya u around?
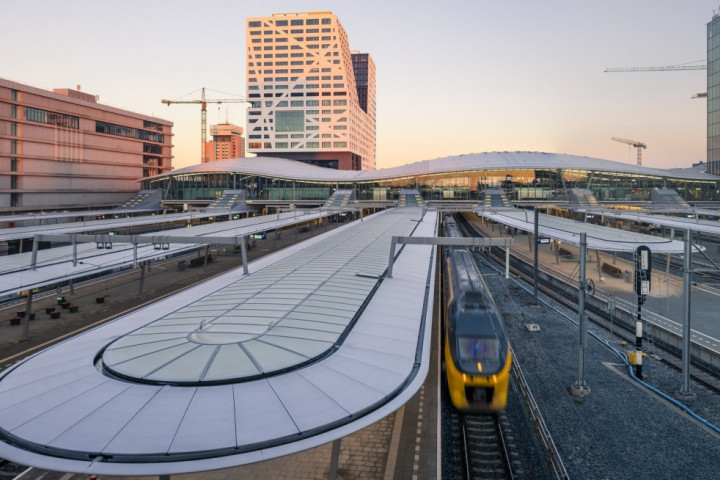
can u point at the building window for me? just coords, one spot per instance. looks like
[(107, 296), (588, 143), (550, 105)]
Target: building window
[(296, 103), (326, 21), (281, 144), (312, 21), (254, 24), (290, 121), (13, 94), (325, 144), (52, 118), (338, 103), (13, 129), (13, 146), (13, 111), (312, 103), (281, 23), (295, 23), (312, 145), (129, 132), (340, 144), (152, 126)]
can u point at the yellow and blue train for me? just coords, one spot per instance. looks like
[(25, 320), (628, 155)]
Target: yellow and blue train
[(476, 348)]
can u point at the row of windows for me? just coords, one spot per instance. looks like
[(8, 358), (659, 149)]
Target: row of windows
[(151, 148), (307, 145), (308, 86), (52, 118), (129, 132), (152, 126)]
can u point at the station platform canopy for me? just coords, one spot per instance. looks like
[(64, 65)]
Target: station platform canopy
[(8, 234), (313, 345), (711, 227), (568, 231), (56, 265)]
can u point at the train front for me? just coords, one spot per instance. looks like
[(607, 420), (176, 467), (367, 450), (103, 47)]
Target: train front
[(479, 372)]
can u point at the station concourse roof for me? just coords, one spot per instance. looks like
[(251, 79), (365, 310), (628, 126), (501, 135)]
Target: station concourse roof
[(335, 346), (568, 231), (293, 170)]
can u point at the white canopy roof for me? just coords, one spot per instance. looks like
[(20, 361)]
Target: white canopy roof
[(56, 264), (62, 413), (568, 231)]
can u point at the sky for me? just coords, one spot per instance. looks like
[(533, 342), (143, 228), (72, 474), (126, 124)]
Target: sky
[(453, 77)]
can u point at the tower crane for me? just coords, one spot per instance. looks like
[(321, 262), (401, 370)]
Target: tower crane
[(669, 68), (633, 143), (203, 101)]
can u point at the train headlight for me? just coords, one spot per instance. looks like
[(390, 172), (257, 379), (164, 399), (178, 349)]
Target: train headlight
[(464, 377), (479, 365)]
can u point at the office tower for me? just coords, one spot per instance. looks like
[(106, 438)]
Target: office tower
[(307, 103), (227, 142), (713, 95)]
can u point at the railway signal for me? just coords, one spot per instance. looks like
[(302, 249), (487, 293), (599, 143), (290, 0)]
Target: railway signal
[(643, 269)]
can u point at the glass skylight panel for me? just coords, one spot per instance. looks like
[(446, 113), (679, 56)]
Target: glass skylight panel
[(274, 319)]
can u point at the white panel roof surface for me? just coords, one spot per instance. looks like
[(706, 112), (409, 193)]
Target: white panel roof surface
[(678, 223), (55, 264), (40, 217), (58, 410), (7, 234), (568, 231), (293, 170)]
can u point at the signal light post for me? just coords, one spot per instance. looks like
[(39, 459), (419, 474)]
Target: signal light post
[(643, 269)]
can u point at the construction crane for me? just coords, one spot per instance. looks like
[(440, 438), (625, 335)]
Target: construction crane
[(203, 101), (669, 68), (634, 143)]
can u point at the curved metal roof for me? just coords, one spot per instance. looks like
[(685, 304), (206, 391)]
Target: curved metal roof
[(294, 170), (58, 410)]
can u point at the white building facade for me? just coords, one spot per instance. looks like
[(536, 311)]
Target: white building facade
[(303, 91)]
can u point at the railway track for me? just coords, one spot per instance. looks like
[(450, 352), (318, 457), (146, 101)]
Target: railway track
[(10, 470), (567, 300), (487, 455)]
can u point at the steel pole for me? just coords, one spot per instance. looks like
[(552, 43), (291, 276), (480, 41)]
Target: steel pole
[(535, 259), (580, 388), (687, 285)]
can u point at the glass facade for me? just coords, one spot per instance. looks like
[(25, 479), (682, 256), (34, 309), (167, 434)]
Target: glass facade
[(519, 185), (713, 96)]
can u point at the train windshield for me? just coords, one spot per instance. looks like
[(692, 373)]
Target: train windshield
[(479, 354)]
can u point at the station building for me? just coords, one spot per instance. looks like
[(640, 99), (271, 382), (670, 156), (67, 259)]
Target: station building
[(524, 176), (312, 99), (62, 149)]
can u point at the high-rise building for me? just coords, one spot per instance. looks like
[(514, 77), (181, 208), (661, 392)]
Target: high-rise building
[(62, 149), (227, 142), (312, 100), (713, 95)]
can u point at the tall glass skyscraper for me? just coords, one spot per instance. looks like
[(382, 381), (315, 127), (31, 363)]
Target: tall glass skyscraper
[(713, 95), (312, 100)]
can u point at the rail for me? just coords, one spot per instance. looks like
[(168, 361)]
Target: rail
[(554, 460)]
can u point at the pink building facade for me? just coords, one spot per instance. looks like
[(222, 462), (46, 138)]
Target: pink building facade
[(62, 149)]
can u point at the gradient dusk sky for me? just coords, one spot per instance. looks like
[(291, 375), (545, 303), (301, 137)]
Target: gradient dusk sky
[(453, 77)]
